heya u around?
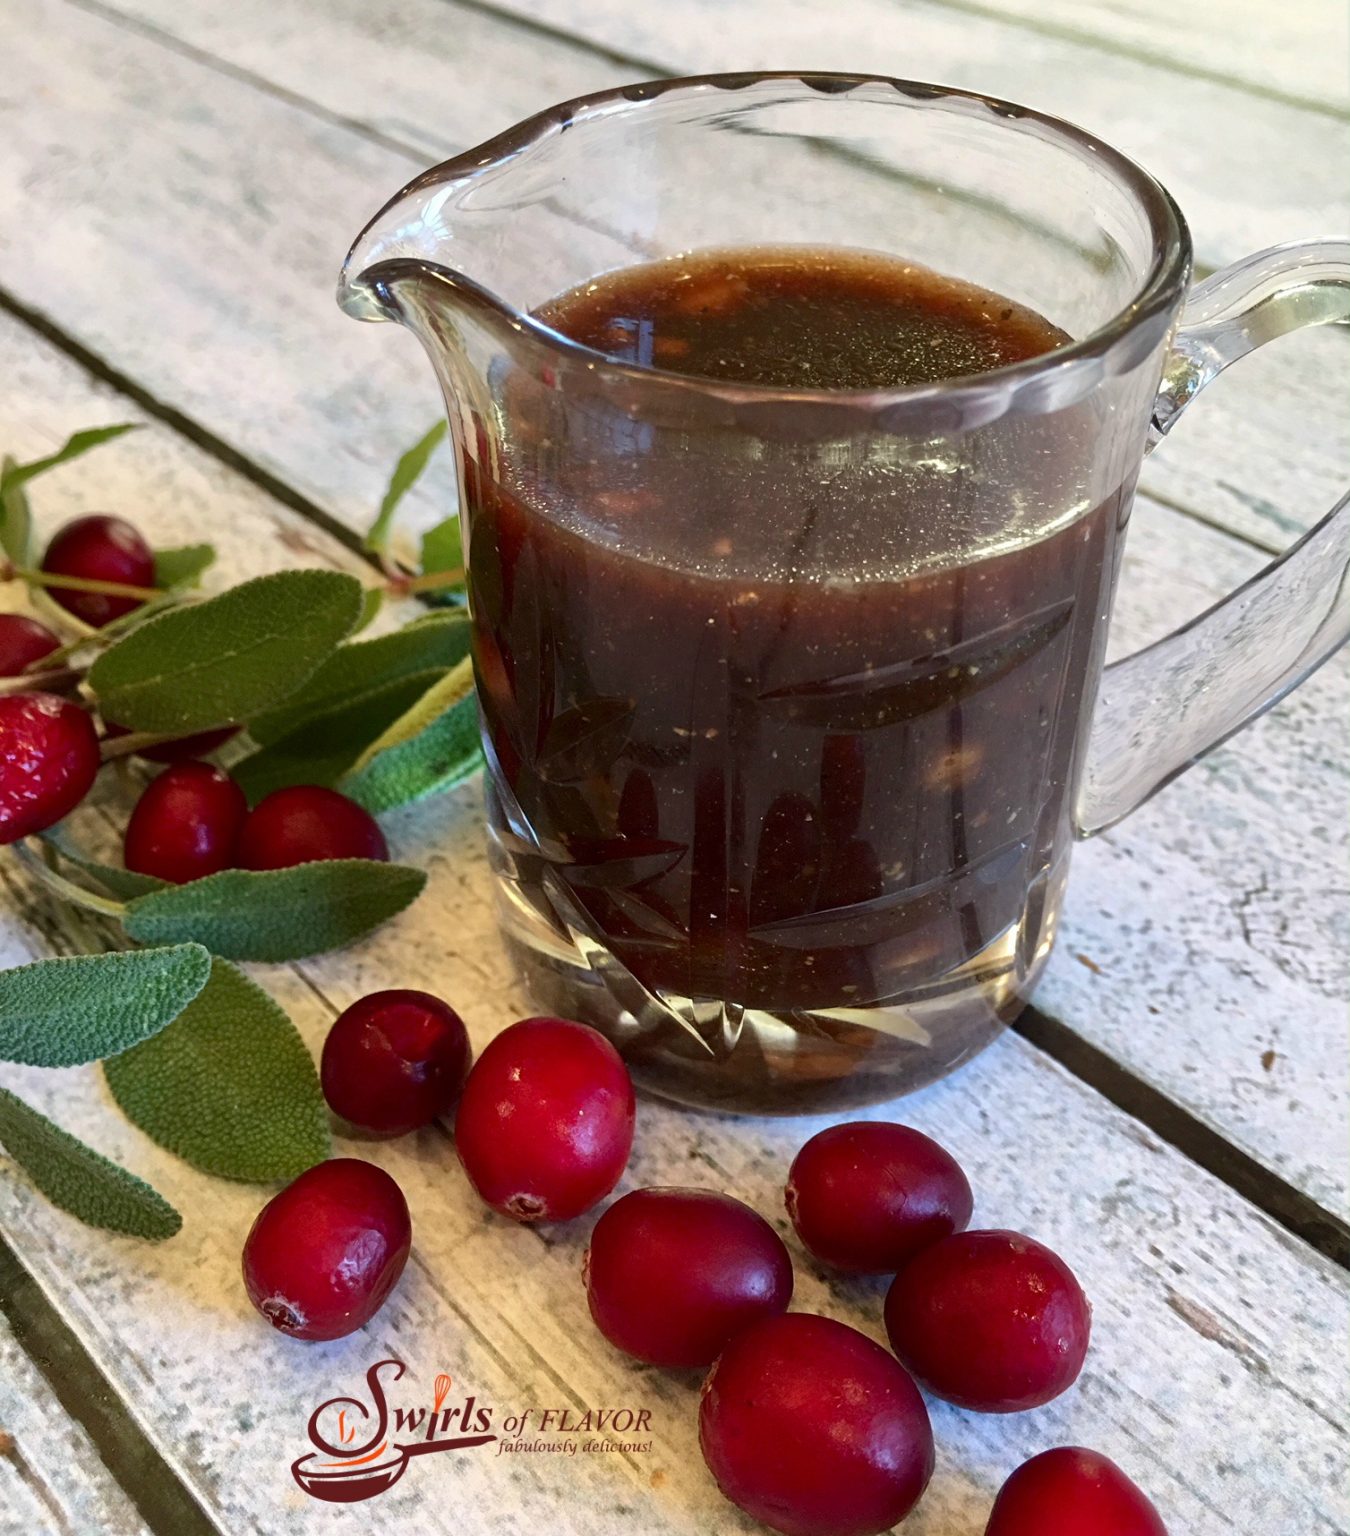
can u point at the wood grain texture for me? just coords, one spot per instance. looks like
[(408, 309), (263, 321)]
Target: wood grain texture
[(52, 1482), (1206, 940), (184, 215), (193, 207), (1300, 51), (1210, 1378), (183, 196), (1232, 161)]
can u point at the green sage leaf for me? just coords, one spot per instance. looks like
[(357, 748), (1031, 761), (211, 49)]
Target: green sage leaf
[(407, 472), (442, 547), (432, 748), (457, 684), (70, 1010), (75, 445), (325, 746), (276, 914), (16, 521), (442, 550), (121, 883), (361, 667), (229, 657), (80, 1180), (372, 600), (182, 567), (228, 1086)]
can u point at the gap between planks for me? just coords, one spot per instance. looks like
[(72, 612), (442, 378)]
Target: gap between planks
[(421, 155), (1081, 36), (178, 421), (161, 1497), (1293, 1211), (1298, 1213), (1154, 58)]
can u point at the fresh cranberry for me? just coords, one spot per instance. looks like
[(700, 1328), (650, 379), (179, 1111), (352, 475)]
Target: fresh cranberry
[(813, 1429), (99, 549), (48, 761), (990, 1320), (394, 1061), (203, 744), (22, 642), (867, 1197), (545, 1125), (324, 1253), (186, 824), (1072, 1492), (304, 823), (673, 1274)]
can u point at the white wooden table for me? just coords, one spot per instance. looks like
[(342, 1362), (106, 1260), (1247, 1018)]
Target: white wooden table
[(180, 179)]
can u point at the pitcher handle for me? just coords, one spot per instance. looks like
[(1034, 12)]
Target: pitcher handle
[(1163, 708)]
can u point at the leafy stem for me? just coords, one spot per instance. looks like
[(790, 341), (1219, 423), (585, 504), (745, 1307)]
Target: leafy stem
[(44, 680), (67, 889), (428, 581), (136, 741), (36, 578)]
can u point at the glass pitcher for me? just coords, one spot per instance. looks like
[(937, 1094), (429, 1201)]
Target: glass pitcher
[(793, 700)]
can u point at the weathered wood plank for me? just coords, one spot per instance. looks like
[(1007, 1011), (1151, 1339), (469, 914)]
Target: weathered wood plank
[(1264, 451), (251, 268), (1237, 173), (52, 1482), (1300, 51), (1206, 940), (1210, 1375), (291, 346)]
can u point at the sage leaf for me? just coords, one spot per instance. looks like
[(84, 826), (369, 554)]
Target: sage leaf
[(372, 600), (80, 1180), (442, 550), (432, 748), (70, 1010), (229, 657), (276, 914), (407, 472), (182, 567), (121, 883), (325, 746), (228, 1086), (457, 684), (357, 669), (79, 442), (442, 547), (16, 521)]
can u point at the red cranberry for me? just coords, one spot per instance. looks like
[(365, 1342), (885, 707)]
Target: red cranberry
[(545, 1125), (673, 1274), (304, 823), (867, 1197), (22, 642), (48, 761), (813, 1429), (394, 1061), (1071, 1492), (990, 1320), (203, 744), (99, 549), (186, 824), (324, 1253)]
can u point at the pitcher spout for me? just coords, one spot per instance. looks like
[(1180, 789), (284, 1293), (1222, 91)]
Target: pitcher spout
[(481, 228)]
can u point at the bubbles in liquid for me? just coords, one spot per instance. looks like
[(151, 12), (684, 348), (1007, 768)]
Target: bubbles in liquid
[(800, 318), (748, 506)]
